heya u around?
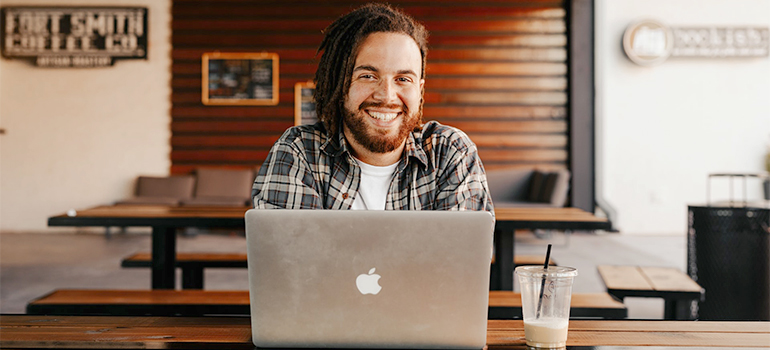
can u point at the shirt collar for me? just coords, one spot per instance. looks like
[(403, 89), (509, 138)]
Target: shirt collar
[(414, 149), (336, 144)]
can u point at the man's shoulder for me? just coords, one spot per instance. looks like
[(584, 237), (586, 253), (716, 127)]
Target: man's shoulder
[(306, 137), (435, 134)]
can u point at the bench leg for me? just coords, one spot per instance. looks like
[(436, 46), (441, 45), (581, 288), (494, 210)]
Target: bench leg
[(504, 259), (192, 278), (677, 309), (494, 277)]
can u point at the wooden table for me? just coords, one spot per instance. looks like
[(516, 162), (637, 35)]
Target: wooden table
[(677, 289), (112, 332), (508, 220), (165, 220)]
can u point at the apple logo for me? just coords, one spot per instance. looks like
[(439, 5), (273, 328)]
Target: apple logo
[(368, 284)]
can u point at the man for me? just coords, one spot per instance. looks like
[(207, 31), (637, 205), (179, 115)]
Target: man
[(371, 150)]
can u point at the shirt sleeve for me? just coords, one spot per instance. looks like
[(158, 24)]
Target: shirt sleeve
[(463, 183), (285, 180)]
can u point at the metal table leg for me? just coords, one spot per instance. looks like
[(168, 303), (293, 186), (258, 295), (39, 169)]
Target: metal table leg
[(163, 257)]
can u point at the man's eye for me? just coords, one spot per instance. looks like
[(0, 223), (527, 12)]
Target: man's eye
[(366, 76), (404, 80)]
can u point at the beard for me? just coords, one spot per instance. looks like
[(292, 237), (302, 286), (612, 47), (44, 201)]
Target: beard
[(377, 140)]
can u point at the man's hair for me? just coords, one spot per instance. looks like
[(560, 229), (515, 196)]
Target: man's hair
[(340, 47)]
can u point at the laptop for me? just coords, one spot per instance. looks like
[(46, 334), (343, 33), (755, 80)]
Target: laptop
[(369, 279)]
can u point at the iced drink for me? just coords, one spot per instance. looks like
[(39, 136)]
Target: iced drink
[(545, 302), (549, 332)]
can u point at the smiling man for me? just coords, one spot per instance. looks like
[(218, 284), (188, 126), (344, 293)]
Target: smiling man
[(370, 149)]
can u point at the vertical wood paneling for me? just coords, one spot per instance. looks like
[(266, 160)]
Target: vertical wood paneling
[(496, 69)]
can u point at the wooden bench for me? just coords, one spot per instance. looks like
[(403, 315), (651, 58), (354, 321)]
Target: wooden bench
[(505, 304), (674, 287), (193, 264), (159, 302), (520, 260)]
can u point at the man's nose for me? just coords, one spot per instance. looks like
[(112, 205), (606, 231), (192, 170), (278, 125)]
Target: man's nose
[(386, 92)]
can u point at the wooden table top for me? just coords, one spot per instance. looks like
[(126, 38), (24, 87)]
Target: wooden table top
[(507, 219), (153, 215), (639, 278), (164, 211), (160, 211), (110, 332), (546, 214)]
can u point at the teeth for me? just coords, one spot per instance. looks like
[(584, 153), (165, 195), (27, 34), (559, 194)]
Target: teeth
[(383, 116)]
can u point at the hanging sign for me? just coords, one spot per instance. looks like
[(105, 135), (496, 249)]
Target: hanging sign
[(650, 42), (74, 36)]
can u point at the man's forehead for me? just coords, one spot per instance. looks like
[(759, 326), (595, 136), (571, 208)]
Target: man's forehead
[(394, 46)]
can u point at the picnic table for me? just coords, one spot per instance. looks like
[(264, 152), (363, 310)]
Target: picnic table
[(165, 220)]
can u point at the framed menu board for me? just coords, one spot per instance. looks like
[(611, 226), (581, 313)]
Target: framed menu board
[(304, 105), (240, 78)]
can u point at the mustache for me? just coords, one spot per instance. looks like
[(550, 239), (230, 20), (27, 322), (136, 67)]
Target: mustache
[(366, 104)]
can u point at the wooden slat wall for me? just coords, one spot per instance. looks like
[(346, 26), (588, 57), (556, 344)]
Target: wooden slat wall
[(496, 69)]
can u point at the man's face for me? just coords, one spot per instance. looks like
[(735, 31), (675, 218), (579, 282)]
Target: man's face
[(383, 103)]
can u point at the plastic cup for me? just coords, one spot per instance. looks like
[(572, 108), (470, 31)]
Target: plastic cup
[(546, 314)]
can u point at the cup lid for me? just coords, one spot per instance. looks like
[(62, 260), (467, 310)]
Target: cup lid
[(553, 271)]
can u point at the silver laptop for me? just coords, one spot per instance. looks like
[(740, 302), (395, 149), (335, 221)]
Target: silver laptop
[(369, 279)]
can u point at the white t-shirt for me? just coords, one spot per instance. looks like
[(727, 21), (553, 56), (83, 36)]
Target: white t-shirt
[(373, 190)]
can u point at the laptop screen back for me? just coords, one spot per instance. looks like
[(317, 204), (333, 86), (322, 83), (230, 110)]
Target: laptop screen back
[(369, 279)]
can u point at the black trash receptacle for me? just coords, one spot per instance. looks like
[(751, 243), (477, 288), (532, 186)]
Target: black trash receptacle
[(728, 254)]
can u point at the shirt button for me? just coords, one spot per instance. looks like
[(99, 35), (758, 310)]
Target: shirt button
[(344, 196)]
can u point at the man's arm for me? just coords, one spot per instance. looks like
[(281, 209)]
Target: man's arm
[(285, 180), (462, 185)]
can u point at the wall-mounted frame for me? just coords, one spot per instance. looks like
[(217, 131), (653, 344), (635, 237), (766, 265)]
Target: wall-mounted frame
[(304, 104), (240, 78)]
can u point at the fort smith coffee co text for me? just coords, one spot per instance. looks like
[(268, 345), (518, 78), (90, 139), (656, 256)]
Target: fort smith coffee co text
[(74, 37)]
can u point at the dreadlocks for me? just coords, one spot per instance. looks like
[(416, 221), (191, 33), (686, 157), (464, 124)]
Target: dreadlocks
[(340, 47)]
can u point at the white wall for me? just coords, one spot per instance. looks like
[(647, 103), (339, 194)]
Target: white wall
[(78, 137), (661, 130)]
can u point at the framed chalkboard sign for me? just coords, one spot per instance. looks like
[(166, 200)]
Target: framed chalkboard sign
[(304, 105), (240, 78)]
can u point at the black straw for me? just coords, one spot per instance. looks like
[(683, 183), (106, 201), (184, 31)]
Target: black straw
[(542, 285)]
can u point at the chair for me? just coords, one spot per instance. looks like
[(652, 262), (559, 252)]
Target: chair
[(528, 187), (169, 190), (222, 187)]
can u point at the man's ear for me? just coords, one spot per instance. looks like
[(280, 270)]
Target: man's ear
[(422, 85)]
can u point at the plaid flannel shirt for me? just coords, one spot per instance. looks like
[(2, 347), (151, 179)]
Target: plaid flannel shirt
[(307, 169)]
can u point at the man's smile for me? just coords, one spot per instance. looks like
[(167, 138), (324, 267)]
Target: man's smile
[(382, 116)]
